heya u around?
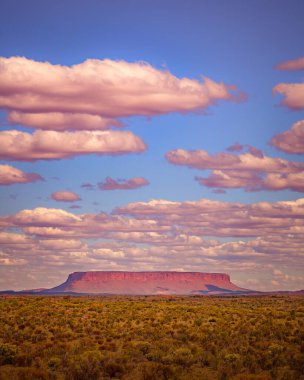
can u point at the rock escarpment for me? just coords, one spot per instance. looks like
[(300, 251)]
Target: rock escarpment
[(147, 283)]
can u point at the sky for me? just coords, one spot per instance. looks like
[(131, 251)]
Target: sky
[(152, 135)]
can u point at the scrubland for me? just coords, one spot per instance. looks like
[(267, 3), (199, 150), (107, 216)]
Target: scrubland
[(152, 338)]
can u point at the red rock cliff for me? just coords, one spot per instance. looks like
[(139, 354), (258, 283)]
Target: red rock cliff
[(116, 282)]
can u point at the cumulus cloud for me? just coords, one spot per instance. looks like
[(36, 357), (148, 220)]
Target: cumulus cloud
[(292, 181), (123, 184), (50, 145), (292, 140), (11, 238), (282, 209), (251, 181), (163, 207), (201, 159), (106, 88), (170, 239), (58, 121), (252, 170), (294, 64), (65, 196), (46, 217), (10, 175), (293, 94), (231, 180)]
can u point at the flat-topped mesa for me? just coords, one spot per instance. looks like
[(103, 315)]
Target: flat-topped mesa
[(143, 283)]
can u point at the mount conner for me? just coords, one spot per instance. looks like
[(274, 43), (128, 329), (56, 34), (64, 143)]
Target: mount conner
[(147, 283)]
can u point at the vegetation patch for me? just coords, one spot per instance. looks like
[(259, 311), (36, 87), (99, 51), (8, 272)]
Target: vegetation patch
[(152, 337)]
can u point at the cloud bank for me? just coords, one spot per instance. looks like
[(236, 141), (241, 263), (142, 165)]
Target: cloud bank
[(197, 218), (162, 235)]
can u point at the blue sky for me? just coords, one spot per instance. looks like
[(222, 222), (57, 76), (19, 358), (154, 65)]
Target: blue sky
[(236, 43)]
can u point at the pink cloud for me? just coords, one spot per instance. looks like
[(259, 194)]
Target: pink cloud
[(58, 121), (294, 64), (46, 217), (10, 175), (123, 184), (231, 180), (251, 181), (237, 147), (7, 261), (65, 196), (293, 94), (276, 181), (106, 88), (201, 159), (61, 244), (88, 186), (255, 152), (163, 207), (292, 140), (50, 145), (13, 238), (252, 171), (57, 222)]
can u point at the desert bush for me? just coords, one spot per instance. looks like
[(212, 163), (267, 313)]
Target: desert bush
[(8, 353), (135, 338)]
